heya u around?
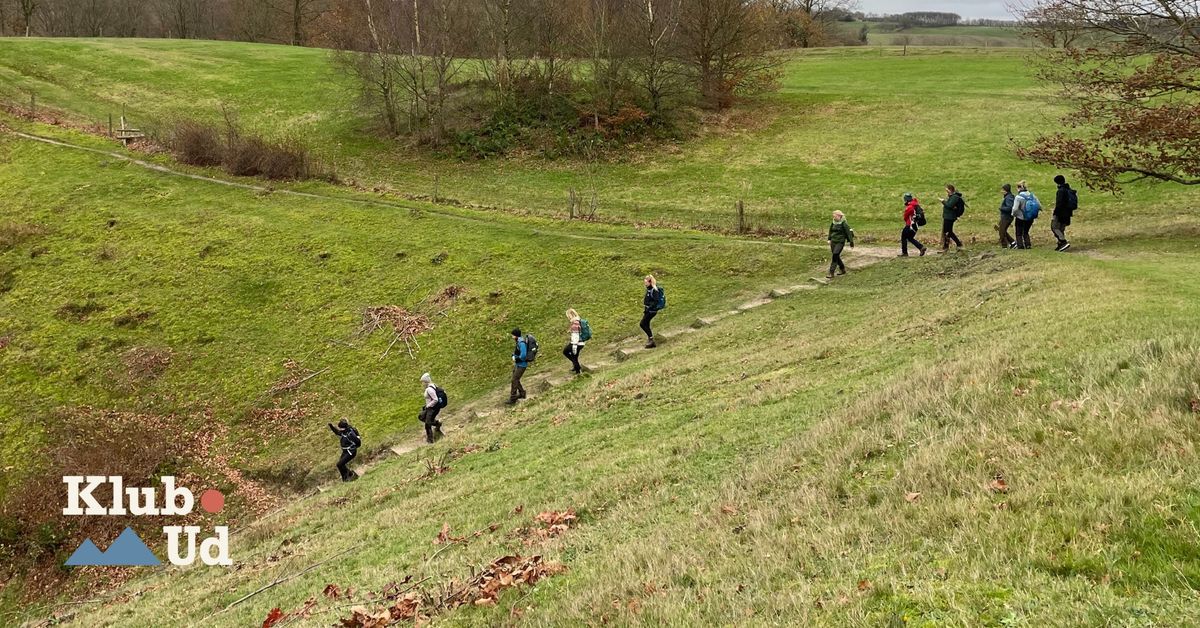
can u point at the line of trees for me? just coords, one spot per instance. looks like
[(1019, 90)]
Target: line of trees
[(296, 22), (490, 75)]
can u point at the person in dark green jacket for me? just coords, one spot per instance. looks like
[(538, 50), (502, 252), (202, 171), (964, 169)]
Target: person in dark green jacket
[(840, 234), (953, 207)]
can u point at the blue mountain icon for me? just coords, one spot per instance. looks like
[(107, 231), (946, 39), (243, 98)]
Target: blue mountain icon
[(127, 551)]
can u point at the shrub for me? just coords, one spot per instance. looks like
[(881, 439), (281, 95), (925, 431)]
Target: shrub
[(197, 144)]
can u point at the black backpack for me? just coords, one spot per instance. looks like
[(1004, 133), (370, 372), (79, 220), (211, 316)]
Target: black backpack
[(442, 399), (1073, 203), (354, 436), (960, 206), (920, 216), (531, 348)]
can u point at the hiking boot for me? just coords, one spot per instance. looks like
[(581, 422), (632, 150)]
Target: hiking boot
[(438, 434), (923, 252), (521, 395), (841, 271), (651, 345), (829, 275)]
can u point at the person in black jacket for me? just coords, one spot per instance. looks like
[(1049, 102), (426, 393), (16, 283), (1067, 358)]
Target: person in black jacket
[(650, 309), (953, 207), (1064, 207), (1006, 217), (350, 442)]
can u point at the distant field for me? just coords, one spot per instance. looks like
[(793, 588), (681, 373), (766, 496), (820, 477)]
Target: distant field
[(850, 129)]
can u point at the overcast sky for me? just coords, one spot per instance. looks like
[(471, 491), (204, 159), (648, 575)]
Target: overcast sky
[(965, 8)]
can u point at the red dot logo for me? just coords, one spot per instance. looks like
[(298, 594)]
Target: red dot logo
[(212, 500)]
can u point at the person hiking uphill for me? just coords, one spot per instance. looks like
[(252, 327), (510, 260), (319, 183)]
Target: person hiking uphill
[(1025, 210), (524, 352), (953, 208), (1066, 201), (435, 400), (653, 303), (912, 209), (1006, 216), (578, 333), (350, 441), (840, 234)]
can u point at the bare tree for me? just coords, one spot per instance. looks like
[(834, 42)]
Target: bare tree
[(722, 44), (1132, 93), (655, 24), (299, 15), (28, 8), (808, 23), (1053, 24)]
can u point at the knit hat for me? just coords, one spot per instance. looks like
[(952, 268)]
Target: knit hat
[(1059, 179), (427, 379)]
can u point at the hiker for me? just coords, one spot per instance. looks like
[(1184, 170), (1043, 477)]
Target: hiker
[(953, 208), (1066, 201), (914, 217), (653, 303), (435, 400), (578, 332), (349, 441), (1025, 210), (1006, 216), (520, 363), (840, 234)]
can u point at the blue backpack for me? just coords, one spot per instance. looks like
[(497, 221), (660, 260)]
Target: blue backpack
[(1032, 206), (585, 330), (662, 299)]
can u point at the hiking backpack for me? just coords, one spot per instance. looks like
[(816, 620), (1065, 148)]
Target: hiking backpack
[(354, 436), (585, 330), (1073, 204), (919, 216), (531, 348), (662, 299), (442, 399), (960, 207), (1032, 207)]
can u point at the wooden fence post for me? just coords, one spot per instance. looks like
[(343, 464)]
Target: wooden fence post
[(571, 201), (437, 180), (741, 217), (110, 127)]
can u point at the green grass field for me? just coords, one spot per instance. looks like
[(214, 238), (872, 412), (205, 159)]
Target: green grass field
[(990, 438), (849, 129)]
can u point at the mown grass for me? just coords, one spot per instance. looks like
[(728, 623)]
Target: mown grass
[(850, 129), (767, 470), (108, 257)]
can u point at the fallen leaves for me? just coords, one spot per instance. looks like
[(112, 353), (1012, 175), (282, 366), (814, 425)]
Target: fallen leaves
[(553, 524), (504, 573), (998, 485), (729, 510), (911, 497)]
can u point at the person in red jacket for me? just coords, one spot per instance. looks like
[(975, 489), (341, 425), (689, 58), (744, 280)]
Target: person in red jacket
[(911, 205)]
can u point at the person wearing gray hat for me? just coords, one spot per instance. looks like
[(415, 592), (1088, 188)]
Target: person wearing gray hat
[(435, 400)]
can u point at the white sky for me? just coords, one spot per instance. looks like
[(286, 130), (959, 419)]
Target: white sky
[(965, 8)]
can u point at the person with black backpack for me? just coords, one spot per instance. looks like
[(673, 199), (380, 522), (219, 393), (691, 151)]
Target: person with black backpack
[(653, 302), (953, 208), (914, 218), (1066, 201), (350, 441), (579, 333), (435, 400), (524, 351)]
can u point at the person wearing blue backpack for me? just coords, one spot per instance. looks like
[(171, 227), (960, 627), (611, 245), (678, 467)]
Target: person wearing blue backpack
[(1025, 210), (1066, 201), (579, 332), (524, 352), (653, 303), (435, 400)]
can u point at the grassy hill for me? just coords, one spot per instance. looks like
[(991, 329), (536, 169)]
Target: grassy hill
[(991, 438), (849, 129)]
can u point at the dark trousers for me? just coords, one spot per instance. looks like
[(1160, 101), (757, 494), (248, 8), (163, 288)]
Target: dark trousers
[(518, 391), (572, 353), (1023, 227), (343, 464), (948, 234), (429, 416), (1059, 229), (1006, 221), (835, 249), (909, 235), (646, 318)]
